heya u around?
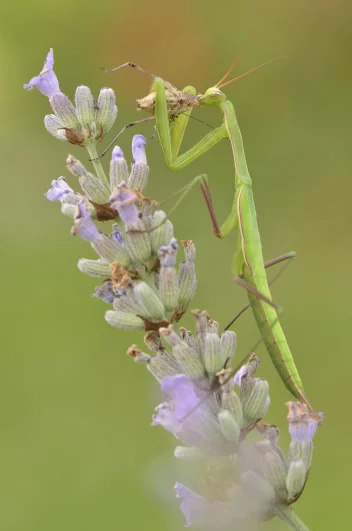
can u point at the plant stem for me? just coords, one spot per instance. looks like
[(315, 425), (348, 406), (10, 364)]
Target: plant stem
[(287, 514), (99, 170)]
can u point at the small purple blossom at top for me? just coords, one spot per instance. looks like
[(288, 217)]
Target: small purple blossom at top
[(123, 200), (302, 425), (84, 225), (59, 188), (47, 82)]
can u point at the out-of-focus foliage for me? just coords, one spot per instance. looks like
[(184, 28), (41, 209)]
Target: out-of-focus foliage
[(76, 447)]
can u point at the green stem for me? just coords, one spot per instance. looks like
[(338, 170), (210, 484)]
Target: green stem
[(99, 170), (287, 514)]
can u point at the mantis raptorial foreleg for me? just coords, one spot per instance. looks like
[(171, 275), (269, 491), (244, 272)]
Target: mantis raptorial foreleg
[(127, 126)]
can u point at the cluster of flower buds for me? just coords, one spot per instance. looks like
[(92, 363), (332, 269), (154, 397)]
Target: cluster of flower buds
[(137, 259), (263, 483), (89, 120), (203, 409)]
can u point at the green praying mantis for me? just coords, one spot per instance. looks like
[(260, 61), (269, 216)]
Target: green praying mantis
[(171, 109)]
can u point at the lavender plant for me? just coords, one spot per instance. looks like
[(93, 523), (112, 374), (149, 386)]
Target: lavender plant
[(208, 409)]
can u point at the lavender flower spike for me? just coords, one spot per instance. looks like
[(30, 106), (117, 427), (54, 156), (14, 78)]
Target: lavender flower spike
[(47, 82)]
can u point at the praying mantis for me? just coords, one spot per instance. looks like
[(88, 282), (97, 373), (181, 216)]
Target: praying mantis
[(171, 108)]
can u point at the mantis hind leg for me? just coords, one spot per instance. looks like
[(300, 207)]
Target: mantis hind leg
[(283, 258)]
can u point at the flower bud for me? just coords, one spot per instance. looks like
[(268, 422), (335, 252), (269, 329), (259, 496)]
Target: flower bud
[(85, 110), (301, 450), (54, 127), (229, 427), (255, 400), (229, 398), (188, 337), (126, 321), (94, 268), (201, 329), (212, 356), (106, 111), (140, 168), (91, 185), (228, 346), (274, 468), (296, 478), (64, 111), (138, 242), (188, 359), (159, 230), (110, 251), (151, 305), (118, 168), (168, 282)]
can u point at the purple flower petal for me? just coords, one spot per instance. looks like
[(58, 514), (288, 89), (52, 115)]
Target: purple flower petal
[(210, 515), (105, 292), (180, 414), (181, 391), (138, 149), (191, 503), (58, 189), (122, 199), (117, 153), (302, 425), (47, 82), (190, 414), (84, 225), (117, 235), (239, 375), (167, 254)]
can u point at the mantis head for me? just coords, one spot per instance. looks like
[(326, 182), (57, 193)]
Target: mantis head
[(213, 96)]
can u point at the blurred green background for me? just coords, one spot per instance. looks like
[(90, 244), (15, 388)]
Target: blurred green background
[(76, 448)]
